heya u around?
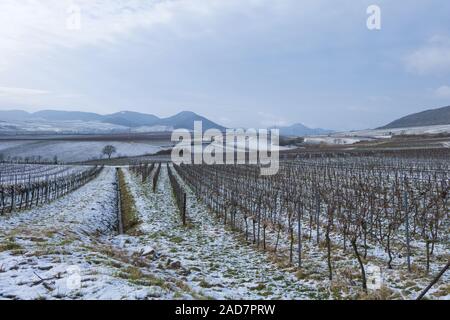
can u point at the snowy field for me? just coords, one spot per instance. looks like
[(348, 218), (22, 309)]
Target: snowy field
[(375, 133), (40, 249), (73, 151), (332, 140), (70, 249), (45, 253), (351, 137), (211, 260), (37, 126), (72, 127)]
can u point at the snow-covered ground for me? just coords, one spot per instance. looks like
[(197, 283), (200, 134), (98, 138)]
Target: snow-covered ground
[(71, 127), (72, 151), (351, 137), (10, 144), (395, 283), (59, 126), (70, 249), (41, 249), (45, 242), (376, 133), (212, 261), (331, 140)]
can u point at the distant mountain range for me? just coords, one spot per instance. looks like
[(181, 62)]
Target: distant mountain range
[(54, 121), (120, 121), (299, 129), (431, 117), (48, 121)]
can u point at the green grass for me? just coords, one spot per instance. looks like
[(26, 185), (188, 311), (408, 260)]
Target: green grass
[(259, 287), (10, 245), (177, 239), (205, 284), (130, 218)]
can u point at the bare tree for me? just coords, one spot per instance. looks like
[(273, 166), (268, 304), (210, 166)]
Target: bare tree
[(109, 150)]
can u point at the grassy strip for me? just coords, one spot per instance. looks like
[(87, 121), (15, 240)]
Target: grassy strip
[(10, 244), (130, 218)]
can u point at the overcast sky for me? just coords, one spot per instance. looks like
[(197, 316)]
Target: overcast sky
[(250, 63)]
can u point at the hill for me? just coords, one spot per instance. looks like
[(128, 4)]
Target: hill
[(299, 129), (120, 121), (431, 117)]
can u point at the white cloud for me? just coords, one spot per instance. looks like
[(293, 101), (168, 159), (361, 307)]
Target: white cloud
[(434, 57), (19, 97), (442, 92), (32, 26), (12, 92), (271, 54)]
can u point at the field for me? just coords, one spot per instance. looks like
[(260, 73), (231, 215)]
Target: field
[(327, 226), (79, 148)]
